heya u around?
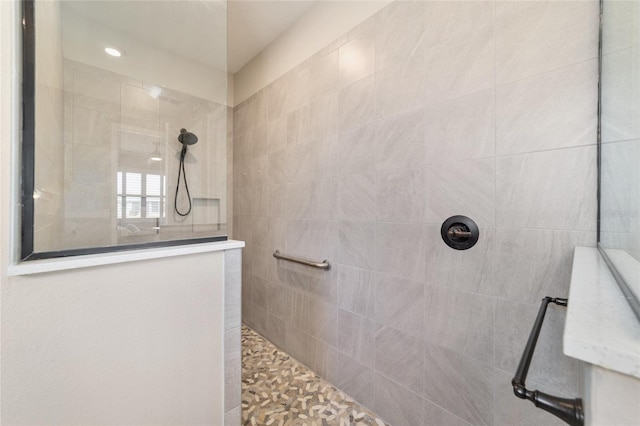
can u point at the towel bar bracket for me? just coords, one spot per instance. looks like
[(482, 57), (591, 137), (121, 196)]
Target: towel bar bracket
[(569, 410)]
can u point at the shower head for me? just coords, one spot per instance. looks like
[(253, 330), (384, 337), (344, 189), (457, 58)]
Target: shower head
[(187, 138)]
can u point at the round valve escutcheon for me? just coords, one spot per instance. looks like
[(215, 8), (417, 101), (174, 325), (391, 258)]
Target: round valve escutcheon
[(460, 232)]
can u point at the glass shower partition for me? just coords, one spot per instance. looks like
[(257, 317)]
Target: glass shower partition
[(114, 83)]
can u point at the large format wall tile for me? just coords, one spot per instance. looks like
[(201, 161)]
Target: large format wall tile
[(400, 195), (461, 129), (460, 66), (356, 60), (462, 386), (356, 290), (400, 303), (357, 104), (435, 415), (356, 337), (356, 244), (402, 252), (448, 19), (461, 321), (549, 366), (356, 151), (534, 37), (400, 141), (535, 264), (94, 127), (400, 88), (356, 380), (400, 358), (471, 270), (548, 98), (461, 188), (400, 32), (540, 190), (357, 197), (397, 404)]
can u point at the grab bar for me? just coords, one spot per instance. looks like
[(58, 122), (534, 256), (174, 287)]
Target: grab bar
[(569, 410), (322, 265)]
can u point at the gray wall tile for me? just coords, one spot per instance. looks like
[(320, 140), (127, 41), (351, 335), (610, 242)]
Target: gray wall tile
[(356, 60), (400, 141), (362, 168), (461, 129), (356, 244), (232, 368), (510, 411), (523, 105), (549, 366), (402, 252), (357, 197), (357, 104), (396, 404), (399, 357), (462, 386), (539, 190), (400, 33), (400, 303), (460, 66), (461, 188), (400, 195), (460, 321), (356, 337), (401, 87), (471, 270), (533, 37), (536, 264), (435, 415), (356, 380), (356, 290)]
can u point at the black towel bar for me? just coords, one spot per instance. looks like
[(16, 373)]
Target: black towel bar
[(569, 410)]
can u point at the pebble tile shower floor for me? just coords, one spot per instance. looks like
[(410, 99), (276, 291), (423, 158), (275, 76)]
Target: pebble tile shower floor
[(277, 390)]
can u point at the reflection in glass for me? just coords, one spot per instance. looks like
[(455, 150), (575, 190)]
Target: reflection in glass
[(106, 127), (619, 221)]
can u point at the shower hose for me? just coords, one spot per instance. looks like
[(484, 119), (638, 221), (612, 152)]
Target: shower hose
[(181, 171)]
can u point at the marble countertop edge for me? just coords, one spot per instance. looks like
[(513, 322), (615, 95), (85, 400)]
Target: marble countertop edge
[(600, 326)]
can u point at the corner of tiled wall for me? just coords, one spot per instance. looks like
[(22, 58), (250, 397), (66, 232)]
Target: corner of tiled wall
[(232, 336)]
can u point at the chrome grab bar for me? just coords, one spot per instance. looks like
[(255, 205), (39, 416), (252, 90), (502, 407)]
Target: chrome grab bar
[(321, 265), (569, 410)]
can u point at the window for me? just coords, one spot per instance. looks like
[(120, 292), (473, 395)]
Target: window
[(140, 196)]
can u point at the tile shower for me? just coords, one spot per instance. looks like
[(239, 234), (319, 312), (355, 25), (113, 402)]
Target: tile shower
[(486, 109)]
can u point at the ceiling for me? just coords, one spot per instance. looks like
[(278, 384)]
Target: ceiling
[(197, 29), (253, 25)]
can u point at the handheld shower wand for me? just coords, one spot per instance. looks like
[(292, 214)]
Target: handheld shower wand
[(185, 138)]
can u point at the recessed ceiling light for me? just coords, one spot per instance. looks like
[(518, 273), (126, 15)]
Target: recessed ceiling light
[(113, 51)]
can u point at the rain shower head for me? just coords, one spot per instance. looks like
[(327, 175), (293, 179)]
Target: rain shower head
[(187, 138)]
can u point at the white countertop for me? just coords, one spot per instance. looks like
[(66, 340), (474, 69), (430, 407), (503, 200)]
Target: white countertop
[(600, 328), (85, 261)]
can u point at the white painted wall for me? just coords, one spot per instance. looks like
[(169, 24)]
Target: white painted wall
[(135, 343), (130, 343), (325, 22)]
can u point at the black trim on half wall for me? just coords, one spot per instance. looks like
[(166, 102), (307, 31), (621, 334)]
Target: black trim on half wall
[(28, 129)]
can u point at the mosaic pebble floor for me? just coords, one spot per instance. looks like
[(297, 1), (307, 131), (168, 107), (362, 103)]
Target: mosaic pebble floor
[(277, 390)]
